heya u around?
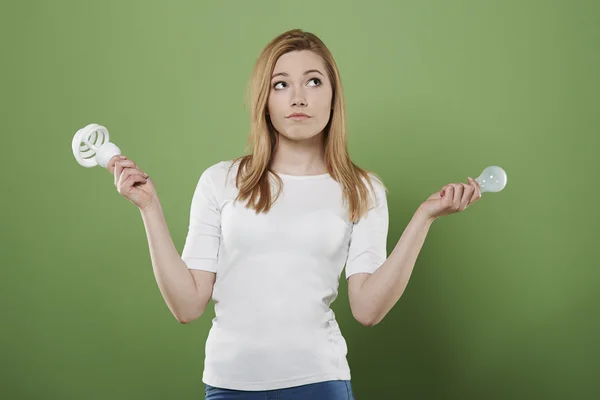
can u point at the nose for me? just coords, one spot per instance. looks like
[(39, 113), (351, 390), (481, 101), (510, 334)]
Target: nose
[(298, 99), (299, 102)]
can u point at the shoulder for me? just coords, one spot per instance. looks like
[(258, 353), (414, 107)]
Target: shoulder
[(376, 188), (218, 180), (218, 173), (376, 180)]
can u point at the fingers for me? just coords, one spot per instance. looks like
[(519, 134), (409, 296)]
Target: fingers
[(468, 191), (453, 193), (123, 168), (444, 191), (448, 191), (129, 173), (128, 184), (110, 166), (477, 190), (458, 192), (121, 165), (114, 162), (458, 196)]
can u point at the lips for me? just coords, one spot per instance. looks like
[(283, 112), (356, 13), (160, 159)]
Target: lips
[(298, 115)]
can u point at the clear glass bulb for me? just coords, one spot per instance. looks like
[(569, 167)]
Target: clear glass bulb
[(492, 179), (91, 146)]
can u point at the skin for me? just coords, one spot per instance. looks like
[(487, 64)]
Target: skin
[(300, 149)]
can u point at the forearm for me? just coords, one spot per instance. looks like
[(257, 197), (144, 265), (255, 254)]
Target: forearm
[(175, 282), (384, 287)]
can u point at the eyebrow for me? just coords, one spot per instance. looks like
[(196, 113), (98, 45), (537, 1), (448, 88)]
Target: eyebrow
[(305, 73)]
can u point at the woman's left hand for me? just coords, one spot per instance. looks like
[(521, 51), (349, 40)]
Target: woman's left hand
[(453, 198)]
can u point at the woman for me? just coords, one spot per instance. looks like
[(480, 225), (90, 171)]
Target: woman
[(271, 232)]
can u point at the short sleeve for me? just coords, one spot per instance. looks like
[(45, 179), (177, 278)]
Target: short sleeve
[(201, 249), (367, 249)]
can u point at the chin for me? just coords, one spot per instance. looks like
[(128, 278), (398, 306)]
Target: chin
[(300, 136)]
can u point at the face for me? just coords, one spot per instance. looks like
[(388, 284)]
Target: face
[(300, 84)]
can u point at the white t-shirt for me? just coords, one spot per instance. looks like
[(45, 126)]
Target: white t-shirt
[(276, 277)]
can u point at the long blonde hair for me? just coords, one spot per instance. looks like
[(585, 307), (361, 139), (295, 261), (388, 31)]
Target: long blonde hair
[(252, 179)]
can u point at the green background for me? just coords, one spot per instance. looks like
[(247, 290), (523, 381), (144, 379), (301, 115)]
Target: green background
[(503, 301)]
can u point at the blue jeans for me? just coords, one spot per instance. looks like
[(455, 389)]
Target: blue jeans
[(329, 390)]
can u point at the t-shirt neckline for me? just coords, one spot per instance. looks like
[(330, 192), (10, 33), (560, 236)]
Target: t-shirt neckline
[(302, 177)]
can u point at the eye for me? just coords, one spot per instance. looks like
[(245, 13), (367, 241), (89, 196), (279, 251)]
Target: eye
[(283, 83)]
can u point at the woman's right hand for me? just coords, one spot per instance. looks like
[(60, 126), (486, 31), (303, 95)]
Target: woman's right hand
[(132, 183)]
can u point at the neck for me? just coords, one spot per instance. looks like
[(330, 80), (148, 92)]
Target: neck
[(302, 157)]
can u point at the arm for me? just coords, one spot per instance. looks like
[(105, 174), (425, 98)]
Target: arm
[(372, 296), (186, 292)]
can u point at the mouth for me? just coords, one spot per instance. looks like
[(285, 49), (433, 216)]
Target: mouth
[(298, 116)]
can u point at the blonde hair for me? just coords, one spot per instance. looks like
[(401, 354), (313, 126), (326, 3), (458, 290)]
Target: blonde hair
[(252, 179)]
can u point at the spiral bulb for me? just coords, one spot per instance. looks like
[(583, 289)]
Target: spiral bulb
[(91, 146)]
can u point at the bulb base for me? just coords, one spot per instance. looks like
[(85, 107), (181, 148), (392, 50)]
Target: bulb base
[(106, 152)]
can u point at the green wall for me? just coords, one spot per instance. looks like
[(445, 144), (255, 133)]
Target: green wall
[(503, 301)]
